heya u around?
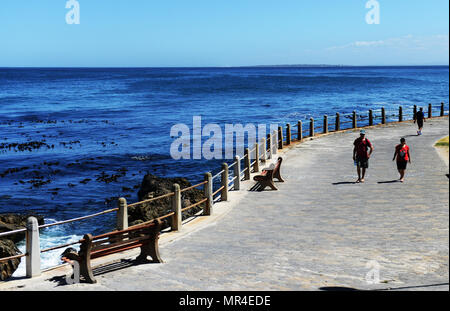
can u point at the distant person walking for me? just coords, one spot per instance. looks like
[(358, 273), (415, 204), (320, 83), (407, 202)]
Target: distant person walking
[(361, 154), (403, 157), (419, 117)]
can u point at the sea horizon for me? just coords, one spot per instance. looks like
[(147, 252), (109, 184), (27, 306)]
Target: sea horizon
[(218, 67)]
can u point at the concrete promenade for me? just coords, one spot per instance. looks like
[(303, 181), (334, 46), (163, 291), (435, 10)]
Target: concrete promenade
[(319, 231)]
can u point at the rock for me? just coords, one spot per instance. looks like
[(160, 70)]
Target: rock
[(10, 221), (153, 186), (7, 249), (4, 227)]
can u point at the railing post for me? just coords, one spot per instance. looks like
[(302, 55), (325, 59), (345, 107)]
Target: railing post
[(288, 134), (311, 127), (354, 124), (176, 208), (269, 146), (300, 130), (400, 114), (338, 122), (430, 114), (280, 137), (247, 165), (414, 112), (442, 109), (325, 124), (122, 214), (264, 150), (224, 179), (383, 116), (33, 258), (274, 142), (370, 117), (256, 167), (237, 172), (208, 189)]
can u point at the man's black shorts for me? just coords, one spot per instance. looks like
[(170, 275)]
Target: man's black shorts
[(362, 162), (401, 165), (419, 123)]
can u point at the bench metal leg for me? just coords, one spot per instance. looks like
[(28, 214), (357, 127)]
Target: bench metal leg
[(151, 248), (263, 183), (270, 184), (85, 259), (278, 176), (86, 271)]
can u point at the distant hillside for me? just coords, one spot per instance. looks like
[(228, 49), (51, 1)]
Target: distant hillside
[(299, 65)]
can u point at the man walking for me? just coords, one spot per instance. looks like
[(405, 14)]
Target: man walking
[(420, 118), (403, 157), (361, 154)]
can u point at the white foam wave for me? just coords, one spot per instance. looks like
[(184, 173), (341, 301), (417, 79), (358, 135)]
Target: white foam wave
[(49, 237)]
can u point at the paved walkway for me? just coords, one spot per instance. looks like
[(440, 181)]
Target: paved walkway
[(320, 230)]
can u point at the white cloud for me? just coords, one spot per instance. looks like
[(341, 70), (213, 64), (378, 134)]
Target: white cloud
[(408, 41), (403, 50), (368, 43)]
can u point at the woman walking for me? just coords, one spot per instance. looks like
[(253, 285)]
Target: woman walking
[(403, 157)]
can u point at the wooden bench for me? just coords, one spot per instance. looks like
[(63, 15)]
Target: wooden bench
[(267, 176), (143, 236)]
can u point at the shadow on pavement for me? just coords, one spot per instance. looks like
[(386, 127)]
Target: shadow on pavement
[(338, 289), (415, 286), (124, 263), (344, 183), (389, 181), (350, 289)]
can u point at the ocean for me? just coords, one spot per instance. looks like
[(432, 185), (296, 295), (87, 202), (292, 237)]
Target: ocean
[(73, 140)]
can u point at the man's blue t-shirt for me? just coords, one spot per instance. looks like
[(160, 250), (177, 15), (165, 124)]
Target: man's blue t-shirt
[(419, 115)]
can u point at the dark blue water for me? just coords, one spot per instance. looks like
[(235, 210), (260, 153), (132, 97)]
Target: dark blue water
[(94, 133)]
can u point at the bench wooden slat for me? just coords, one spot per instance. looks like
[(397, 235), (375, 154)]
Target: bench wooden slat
[(118, 237), (118, 243), (116, 249), (110, 252), (117, 232)]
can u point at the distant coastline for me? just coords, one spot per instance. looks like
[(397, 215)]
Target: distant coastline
[(299, 66), (337, 66)]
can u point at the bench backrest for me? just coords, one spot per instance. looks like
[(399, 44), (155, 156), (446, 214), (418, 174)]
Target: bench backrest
[(277, 166), (118, 241)]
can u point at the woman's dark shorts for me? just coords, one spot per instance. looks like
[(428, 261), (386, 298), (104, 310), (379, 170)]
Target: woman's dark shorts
[(401, 165), (362, 162)]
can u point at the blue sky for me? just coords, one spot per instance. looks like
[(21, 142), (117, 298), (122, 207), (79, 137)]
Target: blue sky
[(151, 33)]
